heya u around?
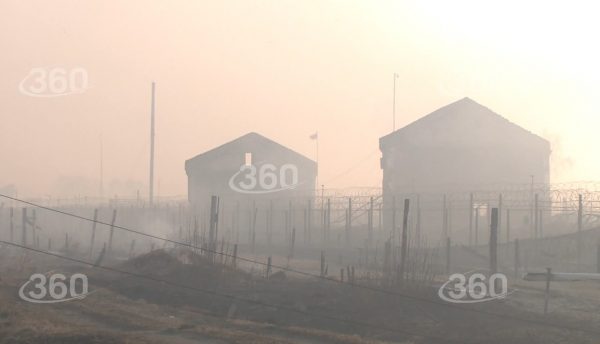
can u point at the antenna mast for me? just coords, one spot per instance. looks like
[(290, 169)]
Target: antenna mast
[(151, 183)]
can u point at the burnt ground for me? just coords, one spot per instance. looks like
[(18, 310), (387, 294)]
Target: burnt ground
[(184, 298)]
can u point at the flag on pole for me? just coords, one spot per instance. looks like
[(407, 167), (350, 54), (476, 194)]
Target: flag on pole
[(314, 136)]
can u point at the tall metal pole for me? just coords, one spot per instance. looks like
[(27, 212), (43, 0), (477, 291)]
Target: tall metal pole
[(101, 168), (317, 143), (394, 104), (151, 182), (323, 213)]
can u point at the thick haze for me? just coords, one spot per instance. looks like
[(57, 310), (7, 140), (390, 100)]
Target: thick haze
[(285, 70)]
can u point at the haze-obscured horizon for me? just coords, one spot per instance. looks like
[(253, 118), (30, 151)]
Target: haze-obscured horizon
[(285, 70)]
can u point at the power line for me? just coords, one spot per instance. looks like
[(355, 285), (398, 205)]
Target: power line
[(308, 274), (351, 168), (232, 297)]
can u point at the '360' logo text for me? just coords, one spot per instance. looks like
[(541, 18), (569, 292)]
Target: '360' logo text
[(265, 178), (41, 289), (474, 287), (54, 82)]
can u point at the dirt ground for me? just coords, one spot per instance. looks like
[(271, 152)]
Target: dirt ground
[(183, 298)]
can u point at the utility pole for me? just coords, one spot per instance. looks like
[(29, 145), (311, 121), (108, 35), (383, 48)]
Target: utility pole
[(323, 213), (394, 104), (151, 182), (101, 168), (315, 137), (317, 144)]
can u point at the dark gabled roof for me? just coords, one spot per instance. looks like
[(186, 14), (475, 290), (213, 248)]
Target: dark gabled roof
[(459, 118), (250, 139)]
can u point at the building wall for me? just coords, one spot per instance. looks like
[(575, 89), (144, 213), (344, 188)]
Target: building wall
[(447, 168), (213, 177), (459, 160)]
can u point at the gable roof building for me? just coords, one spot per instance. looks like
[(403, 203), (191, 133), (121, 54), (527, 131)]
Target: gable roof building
[(251, 167), (461, 147)]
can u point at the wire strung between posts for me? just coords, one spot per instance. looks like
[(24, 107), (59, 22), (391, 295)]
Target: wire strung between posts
[(233, 297), (308, 274)]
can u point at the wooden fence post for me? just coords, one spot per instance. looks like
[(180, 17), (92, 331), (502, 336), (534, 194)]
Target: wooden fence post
[(292, 243), (404, 247), (517, 258), (598, 257), (305, 224), (418, 222), (323, 217), (34, 234), (507, 226), (195, 236), (12, 224), (254, 227), (494, 247), (370, 221), (444, 217), (500, 207), (328, 220), (269, 267), (535, 216), (131, 248), (237, 218), (322, 264), (494, 242), (470, 219), (387, 263), (235, 249), (270, 223), (24, 227), (447, 255), (547, 294), (477, 226), (93, 233), (101, 255), (286, 236), (348, 274), (288, 226), (380, 216), (345, 226), (541, 222), (449, 218), (268, 227), (393, 217), (579, 229), (212, 232), (112, 229), (349, 229), (309, 220)]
